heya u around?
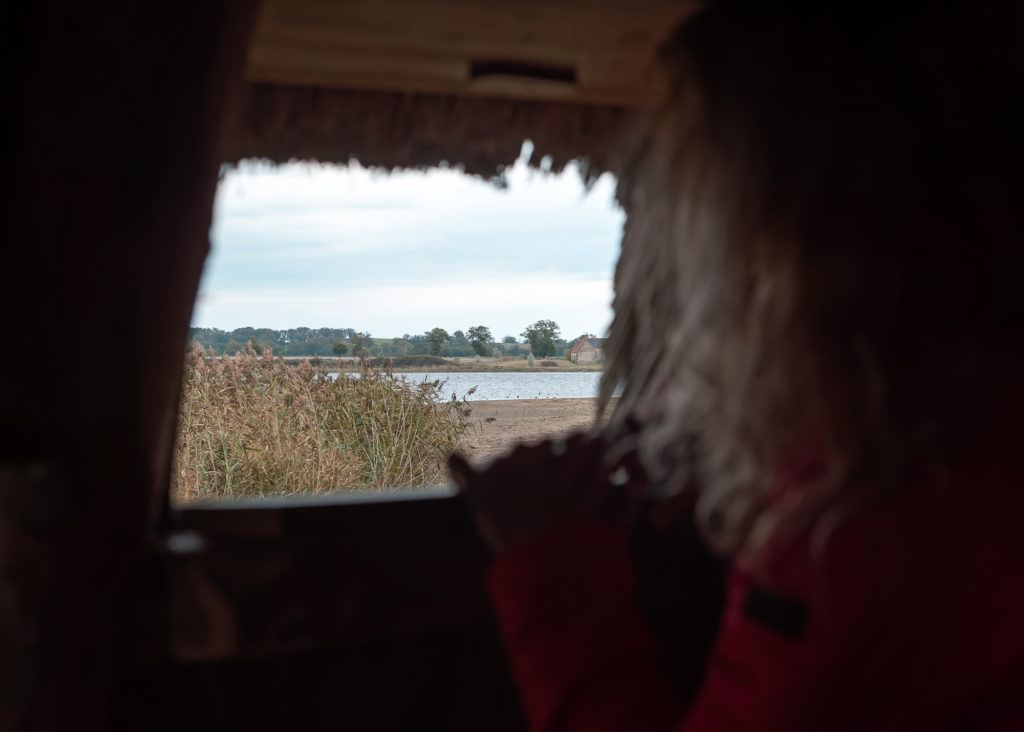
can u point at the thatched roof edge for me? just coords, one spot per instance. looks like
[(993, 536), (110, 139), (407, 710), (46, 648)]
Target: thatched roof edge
[(405, 130)]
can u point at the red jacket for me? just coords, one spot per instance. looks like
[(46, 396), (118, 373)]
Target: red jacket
[(909, 616)]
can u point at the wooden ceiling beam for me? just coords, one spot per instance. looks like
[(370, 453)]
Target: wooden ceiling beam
[(596, 52)]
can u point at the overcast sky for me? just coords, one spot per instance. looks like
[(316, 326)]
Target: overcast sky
[(310, 245)]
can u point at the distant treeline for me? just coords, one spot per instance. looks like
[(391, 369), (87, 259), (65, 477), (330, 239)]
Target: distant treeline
[(349, 342)]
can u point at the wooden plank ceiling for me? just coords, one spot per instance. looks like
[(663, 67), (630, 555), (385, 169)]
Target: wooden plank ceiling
[(588, 51)]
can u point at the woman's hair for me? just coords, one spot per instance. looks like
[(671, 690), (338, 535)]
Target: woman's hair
[(820, 255)]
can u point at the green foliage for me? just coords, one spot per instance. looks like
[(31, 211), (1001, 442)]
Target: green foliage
[(361, 344), (329, 342), (291, 342), (400, 347), (420, 345), (480, 339), (438, 338), (511, 349), (542, 336)]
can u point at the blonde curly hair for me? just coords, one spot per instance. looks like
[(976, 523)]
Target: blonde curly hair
[(819, 252)]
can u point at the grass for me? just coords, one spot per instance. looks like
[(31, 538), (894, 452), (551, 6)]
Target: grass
[(253, 426)]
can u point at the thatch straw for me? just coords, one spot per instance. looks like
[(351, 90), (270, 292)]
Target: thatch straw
[(400, 130)]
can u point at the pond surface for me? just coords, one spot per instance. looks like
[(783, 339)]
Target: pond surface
[(514, 385)]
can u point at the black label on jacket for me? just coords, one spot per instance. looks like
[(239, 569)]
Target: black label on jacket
[(782, 614)]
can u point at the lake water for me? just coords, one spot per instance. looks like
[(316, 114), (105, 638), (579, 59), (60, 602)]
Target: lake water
[(514, 384)]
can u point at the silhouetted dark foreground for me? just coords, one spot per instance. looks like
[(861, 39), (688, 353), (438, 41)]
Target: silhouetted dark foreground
[(817, 339)]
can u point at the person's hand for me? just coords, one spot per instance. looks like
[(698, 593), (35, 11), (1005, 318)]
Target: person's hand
[(538, 487)]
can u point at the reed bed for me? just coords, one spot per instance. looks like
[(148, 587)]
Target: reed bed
[(250, 425)]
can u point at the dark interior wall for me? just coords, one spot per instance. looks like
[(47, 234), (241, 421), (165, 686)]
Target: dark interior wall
[(110, 124)]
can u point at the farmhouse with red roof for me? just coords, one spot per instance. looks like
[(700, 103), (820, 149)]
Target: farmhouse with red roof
[(587, 350)]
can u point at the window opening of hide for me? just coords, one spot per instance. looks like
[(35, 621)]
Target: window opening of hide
[(354, 327)]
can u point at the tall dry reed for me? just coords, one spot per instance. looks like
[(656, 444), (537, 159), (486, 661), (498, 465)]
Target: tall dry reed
[(250, 425)]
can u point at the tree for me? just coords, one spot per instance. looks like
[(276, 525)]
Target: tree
[(420, 344), (267, 336), (339, 349), (401, 346), (361, 344), (542, 336), (508, 339), (459, 338), (480, 339), (438, 337)]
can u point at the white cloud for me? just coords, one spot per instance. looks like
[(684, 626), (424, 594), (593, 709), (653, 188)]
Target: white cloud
[(505, 305), (346, 247)]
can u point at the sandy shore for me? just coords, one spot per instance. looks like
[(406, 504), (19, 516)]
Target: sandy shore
[(495, 426)]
